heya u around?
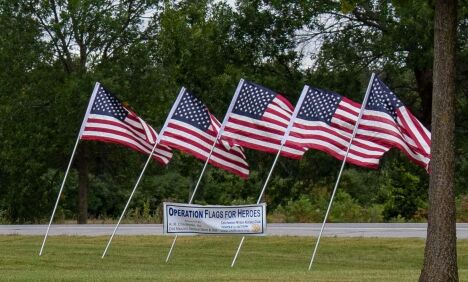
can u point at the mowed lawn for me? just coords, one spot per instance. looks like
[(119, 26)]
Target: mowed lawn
[(208, 259)]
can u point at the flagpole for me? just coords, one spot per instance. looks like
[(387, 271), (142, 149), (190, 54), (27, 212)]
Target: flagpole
[(88, 110), (234, 99), (171, 112), (130, 198), (283, 141), (59, 194), (258, 201), (341, 169), (193, 194)]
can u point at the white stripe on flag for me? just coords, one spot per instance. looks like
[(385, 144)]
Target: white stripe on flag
[(206, 147), (205, 154), (123, 139), (263, 143)]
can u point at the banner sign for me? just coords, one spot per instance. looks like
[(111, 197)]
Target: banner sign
[(185, 219)]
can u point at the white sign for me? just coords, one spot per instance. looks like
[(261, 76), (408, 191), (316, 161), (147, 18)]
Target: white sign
[(185, 219)]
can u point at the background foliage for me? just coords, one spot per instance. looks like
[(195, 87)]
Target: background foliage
[(52, 52)]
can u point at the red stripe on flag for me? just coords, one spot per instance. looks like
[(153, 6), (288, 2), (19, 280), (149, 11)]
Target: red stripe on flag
[(206, 148), (256, 124), (280, 115), (126, 144), (415, 122), (285, 101)]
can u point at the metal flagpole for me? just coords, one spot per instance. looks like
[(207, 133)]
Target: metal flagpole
[(130, 198), (234, 99), (341, 169), (174, 106), (258, 201), (283, 141), (91, 101), (59, 194), (194, 191)]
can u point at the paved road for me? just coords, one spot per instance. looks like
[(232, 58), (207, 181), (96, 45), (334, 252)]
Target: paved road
[(391, 230)]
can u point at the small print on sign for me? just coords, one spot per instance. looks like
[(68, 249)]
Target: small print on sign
[(188, 219)]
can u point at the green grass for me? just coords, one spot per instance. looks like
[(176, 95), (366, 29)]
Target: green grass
[(208, 259)]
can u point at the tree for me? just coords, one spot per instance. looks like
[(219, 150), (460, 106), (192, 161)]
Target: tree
[(23, 57), (364, 34), (440, 256), (83, 34)]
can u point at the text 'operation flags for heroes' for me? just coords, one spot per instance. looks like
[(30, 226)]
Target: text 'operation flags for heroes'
[(188, 219)]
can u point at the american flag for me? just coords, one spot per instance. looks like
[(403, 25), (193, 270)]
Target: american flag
[(193, 129), (110, 121), (387, 121), (325, 121), (259, 119)]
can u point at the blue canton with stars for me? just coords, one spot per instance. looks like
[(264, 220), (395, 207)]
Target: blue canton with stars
[(192, 111), (106, 104), (382, 99), (253, 100), (319, 105)]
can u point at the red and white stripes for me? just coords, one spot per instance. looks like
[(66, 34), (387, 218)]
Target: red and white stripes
[(189, 139), (133, 132), (334, 138), (264, 134)]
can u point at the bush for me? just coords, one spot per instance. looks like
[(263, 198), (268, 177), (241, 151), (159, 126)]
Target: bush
[(408, 196), (145, 215), (302, 210), (3, 217), (462, 208), (344, 209)]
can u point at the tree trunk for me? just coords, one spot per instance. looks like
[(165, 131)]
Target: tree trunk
[(83, 184), (440, 256), (424, 85)]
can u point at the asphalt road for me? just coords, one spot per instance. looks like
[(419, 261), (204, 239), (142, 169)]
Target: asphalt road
[(389, 230)]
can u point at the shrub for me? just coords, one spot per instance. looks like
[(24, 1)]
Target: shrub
[(144, 215), (462, 208), (4, 217), (344, 209)]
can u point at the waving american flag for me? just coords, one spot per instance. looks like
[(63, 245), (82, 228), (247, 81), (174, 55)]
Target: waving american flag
[(191, 128), (325, 121), (387, 121), (258, 119), (110, 121)]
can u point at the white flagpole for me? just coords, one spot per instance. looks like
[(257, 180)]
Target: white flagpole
[(130, 198), (90, 103), (341, 169), (231, 106), (258, 201), (194, 191), (283, 141), (174, 106)]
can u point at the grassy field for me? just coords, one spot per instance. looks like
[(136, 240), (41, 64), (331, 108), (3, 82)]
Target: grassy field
[(208, 259)]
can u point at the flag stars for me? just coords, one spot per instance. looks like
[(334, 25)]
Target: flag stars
[(253, 100), (382, 99), (106, 104), (192, 111), (319, 105)]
